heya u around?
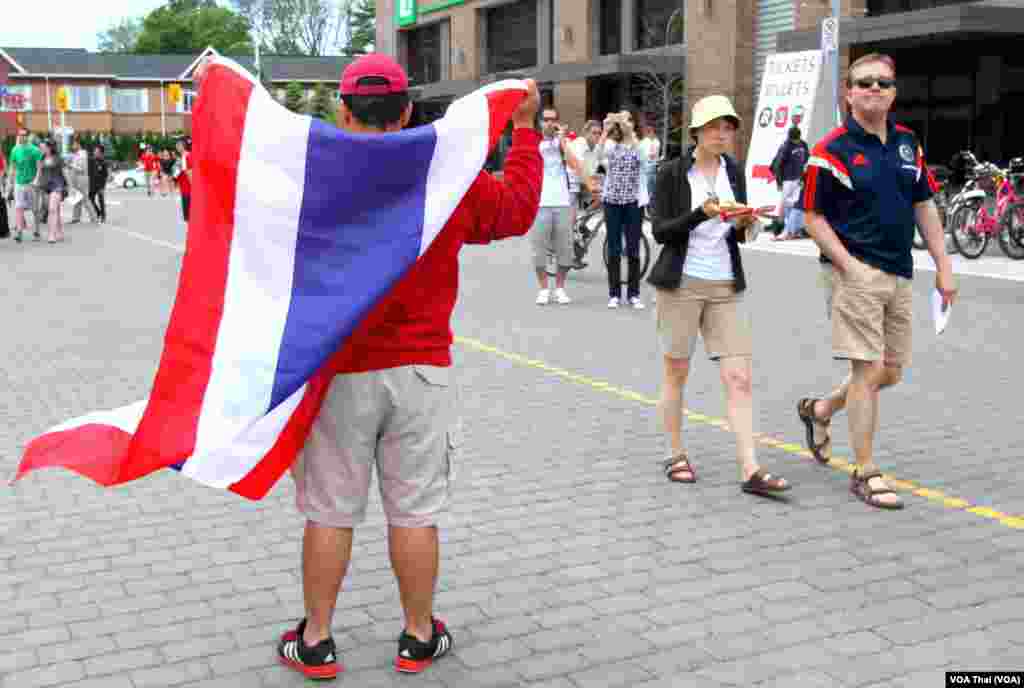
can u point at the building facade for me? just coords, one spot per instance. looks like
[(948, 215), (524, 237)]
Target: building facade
[(126, 93), (958, 77), (959, 68)]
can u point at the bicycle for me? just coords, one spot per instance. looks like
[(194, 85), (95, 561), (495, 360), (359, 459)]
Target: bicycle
[(993, 209), (590, 223)]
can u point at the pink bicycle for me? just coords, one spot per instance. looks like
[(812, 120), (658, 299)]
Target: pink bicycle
[(980, 216)]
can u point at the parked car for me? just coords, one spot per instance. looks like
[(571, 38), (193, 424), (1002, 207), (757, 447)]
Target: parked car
[(128, 179)]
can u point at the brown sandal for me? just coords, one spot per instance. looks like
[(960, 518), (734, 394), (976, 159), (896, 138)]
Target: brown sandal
[(805, 409), (859, 486), (677, 464), (764, 484)]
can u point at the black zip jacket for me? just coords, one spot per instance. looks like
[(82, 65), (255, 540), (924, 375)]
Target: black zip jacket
[(98, 173), (674, 220)]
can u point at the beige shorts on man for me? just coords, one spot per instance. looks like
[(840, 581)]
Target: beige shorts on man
[(384, 419)]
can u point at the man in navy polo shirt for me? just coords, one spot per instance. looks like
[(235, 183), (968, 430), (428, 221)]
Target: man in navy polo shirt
[(866, 187)]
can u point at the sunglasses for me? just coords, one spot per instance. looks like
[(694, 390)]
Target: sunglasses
[(868, 82)]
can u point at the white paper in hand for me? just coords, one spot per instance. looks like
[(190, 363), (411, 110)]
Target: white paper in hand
[(940, 316)]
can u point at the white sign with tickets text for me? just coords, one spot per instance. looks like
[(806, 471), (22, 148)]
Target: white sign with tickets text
[(788, 89)]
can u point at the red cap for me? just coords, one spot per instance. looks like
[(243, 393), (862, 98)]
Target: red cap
[(376, 65)]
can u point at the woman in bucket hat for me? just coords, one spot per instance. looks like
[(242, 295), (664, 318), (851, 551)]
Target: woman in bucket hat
[(700, 281)]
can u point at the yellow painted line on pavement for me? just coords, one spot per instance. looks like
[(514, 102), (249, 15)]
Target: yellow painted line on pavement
[(791, 448)]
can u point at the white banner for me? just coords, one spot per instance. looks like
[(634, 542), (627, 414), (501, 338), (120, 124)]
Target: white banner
[(787, 98)]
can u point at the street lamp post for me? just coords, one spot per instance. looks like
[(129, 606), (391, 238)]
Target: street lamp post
[(669, 81), (835, 63)]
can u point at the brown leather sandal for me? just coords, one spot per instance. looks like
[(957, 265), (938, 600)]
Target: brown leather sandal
[(764, 484), (864, 492), (822, 451), (677, 464)]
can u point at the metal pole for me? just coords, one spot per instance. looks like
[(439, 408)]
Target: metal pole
[(163, 110), (49, 110), (835, 67)]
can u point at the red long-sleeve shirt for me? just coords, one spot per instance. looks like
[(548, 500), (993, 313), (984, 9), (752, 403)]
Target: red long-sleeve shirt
[(412, 324)]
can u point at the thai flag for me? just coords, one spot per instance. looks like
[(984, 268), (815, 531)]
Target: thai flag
[(296, 230)]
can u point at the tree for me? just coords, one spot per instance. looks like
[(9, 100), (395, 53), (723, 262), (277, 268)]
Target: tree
[(294, 97), (296, 27), (322, 106), (362, 26), (121, 37), (188, 26)]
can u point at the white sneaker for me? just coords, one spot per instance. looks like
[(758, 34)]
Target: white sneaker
[(543, 297), (636, 303), (613, 302), (561, 297)]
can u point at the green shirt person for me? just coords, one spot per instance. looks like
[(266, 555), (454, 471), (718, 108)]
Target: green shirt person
[(25, 160)]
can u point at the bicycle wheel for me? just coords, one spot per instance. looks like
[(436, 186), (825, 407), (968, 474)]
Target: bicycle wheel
[(552, 267), (1011, 232), (966, 237), (644, 249)]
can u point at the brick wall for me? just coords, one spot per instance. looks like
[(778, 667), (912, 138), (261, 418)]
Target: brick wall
[(571, 101), (465, 32), (720, 57), (574, 15)]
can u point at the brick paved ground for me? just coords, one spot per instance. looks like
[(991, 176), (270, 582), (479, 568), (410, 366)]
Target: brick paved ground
[(569, 562)]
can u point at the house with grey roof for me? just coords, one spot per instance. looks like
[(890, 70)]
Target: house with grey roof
[(127, 93)]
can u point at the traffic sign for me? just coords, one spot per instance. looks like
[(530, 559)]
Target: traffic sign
[(62, 99), (830, 34)]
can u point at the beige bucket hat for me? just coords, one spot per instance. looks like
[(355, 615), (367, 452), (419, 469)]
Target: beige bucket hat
[(710, 108)]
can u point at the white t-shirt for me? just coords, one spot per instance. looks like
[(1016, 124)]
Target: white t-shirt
[(555, 192), (708, 254), (588, 160), (649, 151), (80, 162)]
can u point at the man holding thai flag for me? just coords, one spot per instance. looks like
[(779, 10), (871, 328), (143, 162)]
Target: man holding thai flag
[(313, 319), (392, 403)]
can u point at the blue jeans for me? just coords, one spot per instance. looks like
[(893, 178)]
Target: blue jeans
[(794, 221), (623, 220)]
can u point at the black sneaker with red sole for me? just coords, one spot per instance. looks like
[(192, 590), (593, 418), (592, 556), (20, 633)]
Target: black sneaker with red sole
[(318, 662), (414, 655)]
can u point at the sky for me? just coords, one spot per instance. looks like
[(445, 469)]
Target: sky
[(65, 23)]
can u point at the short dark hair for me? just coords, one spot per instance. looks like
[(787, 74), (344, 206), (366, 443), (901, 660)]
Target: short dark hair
[(377, 111), (869, 59)]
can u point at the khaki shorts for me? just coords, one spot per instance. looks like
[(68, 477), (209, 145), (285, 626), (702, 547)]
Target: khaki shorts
[(709, 308), (24, 197), (872, 314), (401, 420), (552, 233)]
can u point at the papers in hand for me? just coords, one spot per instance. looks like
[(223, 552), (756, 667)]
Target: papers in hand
[(940, 315)]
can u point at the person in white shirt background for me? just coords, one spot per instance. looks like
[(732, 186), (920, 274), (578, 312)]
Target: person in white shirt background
[(78, 176), (586, 151), (552, 230), (650, 152)]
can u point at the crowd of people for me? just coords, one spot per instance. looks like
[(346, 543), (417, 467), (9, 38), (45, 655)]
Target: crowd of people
[(390, 406), (611, 164), (37, 180), (860, 192)]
